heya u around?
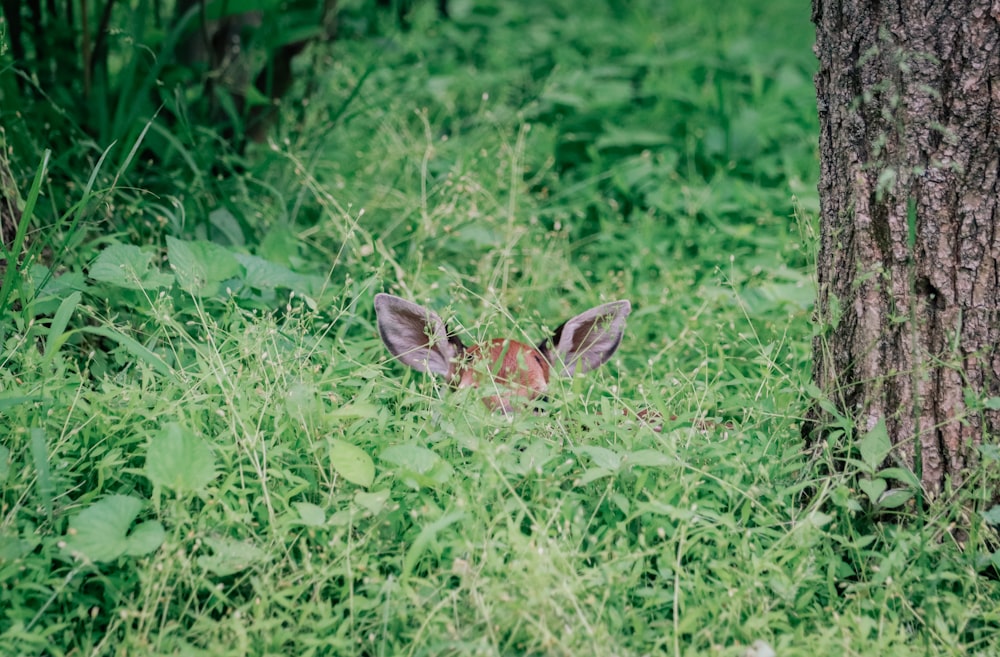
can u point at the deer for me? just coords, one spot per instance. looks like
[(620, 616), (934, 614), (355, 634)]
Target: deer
[(516, 373)]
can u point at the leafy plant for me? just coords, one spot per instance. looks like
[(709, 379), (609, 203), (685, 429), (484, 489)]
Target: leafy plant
[(206, 448)]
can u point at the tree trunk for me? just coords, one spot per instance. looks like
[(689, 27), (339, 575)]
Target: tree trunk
[(909, 280)]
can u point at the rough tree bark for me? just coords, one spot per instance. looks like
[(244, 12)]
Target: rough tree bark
[(909, 262)]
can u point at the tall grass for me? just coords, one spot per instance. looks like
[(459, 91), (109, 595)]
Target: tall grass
[(208, 450)]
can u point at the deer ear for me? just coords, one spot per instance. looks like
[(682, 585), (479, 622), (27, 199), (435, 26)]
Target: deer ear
[(588, 340), (415, 335)]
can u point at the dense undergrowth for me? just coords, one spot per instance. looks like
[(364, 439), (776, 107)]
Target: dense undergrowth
[(207, 450)]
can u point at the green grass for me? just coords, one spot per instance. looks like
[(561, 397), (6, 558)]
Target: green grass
[(241, 469)]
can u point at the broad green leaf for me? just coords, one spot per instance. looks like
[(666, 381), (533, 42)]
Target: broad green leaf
[(13, 547), (230, 556), (355, 410), (100, 532), (7, 403), (875, 446), (818, 519), (279, 246), (873, 488), (342, 518), (372, 502), (311, 515), (895, 497), (813, 390), (145, 538), (418, 465), (201, 266), (264, 275), (130, 267), (352, 463), (900, 474), (993, 515), (990, 452), (224, 221), (649, 458), (57, 286), (622, 502), (602, 457), (992, 403), (179, 460), (592, 474), (302, 400), (412, 457)]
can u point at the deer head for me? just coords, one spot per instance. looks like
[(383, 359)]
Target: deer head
[(512, 370)]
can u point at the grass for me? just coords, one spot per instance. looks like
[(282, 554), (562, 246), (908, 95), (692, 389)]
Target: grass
[(207, 450)]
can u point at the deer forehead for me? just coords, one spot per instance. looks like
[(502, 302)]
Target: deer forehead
[(512, 363)]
